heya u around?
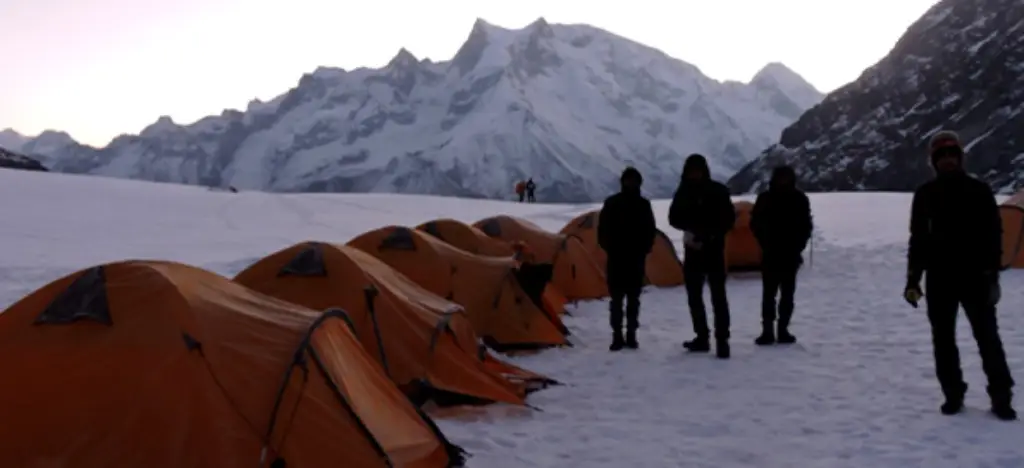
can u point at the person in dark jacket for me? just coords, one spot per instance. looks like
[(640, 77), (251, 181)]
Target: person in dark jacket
[(703, 210), (782, 224), (956, 238), (626, 230), (531, 188)]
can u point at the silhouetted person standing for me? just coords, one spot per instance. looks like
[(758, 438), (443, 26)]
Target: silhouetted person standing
[(626, 230), (956, 239), (703, 210), (530, 190), (782, 223)]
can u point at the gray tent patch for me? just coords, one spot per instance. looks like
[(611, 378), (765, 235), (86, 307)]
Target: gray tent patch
[(431, 228), (491, 227), (401, 238), (308, 262), (84, 299)]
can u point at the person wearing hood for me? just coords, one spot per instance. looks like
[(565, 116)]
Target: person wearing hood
[(956, 238), (626, 230), (782, 223), (703, 210)]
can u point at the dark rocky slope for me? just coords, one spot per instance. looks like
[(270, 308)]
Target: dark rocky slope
[(960, 66)]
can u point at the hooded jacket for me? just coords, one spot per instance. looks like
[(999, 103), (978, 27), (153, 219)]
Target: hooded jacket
[(955, 225), (626, 227), (781, 220), (703, 206)]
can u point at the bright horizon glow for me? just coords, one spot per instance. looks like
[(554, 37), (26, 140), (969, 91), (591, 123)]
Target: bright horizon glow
[(100, 68)]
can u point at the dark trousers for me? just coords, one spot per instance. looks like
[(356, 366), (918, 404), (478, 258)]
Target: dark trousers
[(530, 197), (707, 266), (522, 197), (625, 282), (946, 292), (778, 281)]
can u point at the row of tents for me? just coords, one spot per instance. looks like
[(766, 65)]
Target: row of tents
[(316, 355)]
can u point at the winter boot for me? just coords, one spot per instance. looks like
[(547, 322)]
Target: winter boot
[(767, 335), (722, 349), (631, 342), (783, 336), (955, 401), (1002, 407), (617, 341), (699, 344)]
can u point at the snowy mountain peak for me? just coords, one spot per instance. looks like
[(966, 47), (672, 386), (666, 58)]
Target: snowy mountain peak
[(164, 124), (541, 28), (54, 137), (779, 73), (12, 140), (569, 105), (776, 75), (403, 59), (484, 36)]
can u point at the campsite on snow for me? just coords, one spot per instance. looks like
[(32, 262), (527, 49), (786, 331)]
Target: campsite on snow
[(857, 390), (309, 262)]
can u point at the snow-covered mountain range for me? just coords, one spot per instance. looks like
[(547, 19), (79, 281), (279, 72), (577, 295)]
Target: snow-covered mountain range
[(959, 67), (569, 105)]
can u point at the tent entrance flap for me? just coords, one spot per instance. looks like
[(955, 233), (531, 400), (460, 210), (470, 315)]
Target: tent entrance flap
[(432, 229), (86, 298), (491, 227), (309, 262), (400, 239)]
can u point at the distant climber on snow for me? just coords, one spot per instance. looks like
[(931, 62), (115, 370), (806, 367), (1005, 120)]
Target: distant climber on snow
[(956, 239), (703, 210), (626, 231), (530, 189), (782, 224), (521, 190)]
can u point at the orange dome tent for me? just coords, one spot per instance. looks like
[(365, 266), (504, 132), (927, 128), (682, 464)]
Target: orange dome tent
[(664, 268), (1012, 212), (576, 274), (466, 237), (425, 343), (473, 240), (742, 251), (501, 312), (163, 365)]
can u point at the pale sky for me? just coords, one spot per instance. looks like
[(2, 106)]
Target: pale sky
[(100, 68)]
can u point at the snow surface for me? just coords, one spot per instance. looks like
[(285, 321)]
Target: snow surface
[(858, 390)]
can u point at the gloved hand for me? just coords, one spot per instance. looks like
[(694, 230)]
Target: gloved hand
[(913, 294), (995, 291), (690, 240)]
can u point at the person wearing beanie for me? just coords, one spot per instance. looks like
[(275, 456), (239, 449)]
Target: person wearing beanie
[(782, 223), (626, 231), (703, 210), (956, 238)]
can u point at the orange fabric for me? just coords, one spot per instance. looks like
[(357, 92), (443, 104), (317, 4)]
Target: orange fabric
[(576, 274), (1012, 212), (742, 251), (554, 301), (520, 187), (486, 287), (134, 394), (663, 266), (413, 333), (466, 237)]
